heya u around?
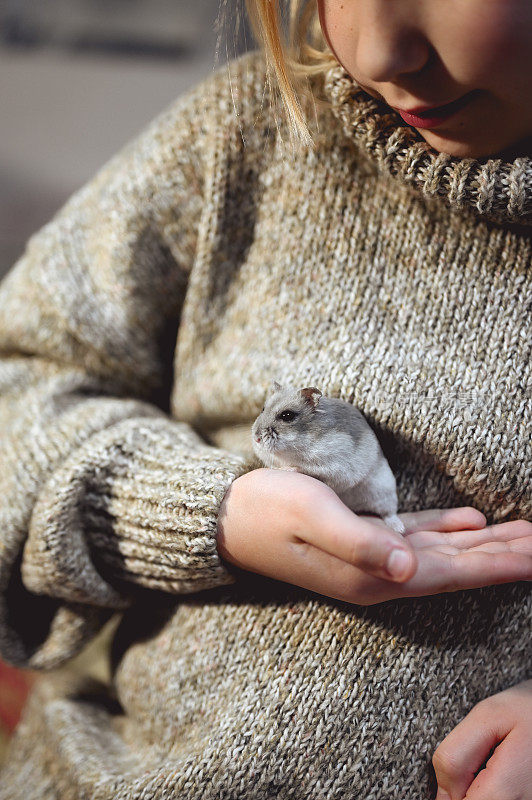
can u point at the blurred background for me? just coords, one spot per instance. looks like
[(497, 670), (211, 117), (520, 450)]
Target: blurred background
[(78, 79)]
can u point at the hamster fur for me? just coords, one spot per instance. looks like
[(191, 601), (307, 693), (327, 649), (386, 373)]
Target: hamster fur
[(329, 439)]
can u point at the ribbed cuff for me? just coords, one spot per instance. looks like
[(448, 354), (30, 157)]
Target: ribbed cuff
[(137, 502)]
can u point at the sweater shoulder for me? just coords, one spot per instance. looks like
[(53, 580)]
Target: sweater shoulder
[(214, 116), (236, 100), (231, 111), (244, 78)]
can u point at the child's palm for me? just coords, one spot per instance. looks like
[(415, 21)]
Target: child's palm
[(451, 558)]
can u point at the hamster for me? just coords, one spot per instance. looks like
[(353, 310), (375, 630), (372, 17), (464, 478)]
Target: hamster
[(329, 439)]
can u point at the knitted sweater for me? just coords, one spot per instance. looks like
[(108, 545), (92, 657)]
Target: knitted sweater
[(139, 332)]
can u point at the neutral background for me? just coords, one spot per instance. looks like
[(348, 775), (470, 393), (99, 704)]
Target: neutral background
[(79, 78)]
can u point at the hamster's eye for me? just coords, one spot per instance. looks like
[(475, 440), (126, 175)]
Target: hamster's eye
[(287, 416)]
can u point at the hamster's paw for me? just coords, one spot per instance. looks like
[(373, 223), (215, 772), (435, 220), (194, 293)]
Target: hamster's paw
[(393, 522)]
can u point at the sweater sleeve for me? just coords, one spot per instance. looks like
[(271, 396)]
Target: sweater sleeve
[(101, 491)]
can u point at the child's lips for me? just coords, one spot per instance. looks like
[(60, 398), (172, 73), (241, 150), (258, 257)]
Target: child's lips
[(423, 117)]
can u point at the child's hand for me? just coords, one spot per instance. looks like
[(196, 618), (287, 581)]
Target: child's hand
[(294, 528), (503, 721)]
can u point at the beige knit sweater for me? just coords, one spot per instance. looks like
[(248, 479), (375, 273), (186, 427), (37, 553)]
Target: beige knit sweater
[(139, 332)]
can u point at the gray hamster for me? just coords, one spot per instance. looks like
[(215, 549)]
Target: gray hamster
[(329, 439)]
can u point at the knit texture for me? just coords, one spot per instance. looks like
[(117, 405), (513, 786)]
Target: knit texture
[(139, 333)]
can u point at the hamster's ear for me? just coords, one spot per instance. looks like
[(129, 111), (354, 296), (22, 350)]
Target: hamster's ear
[(311, 395), (275, 387)]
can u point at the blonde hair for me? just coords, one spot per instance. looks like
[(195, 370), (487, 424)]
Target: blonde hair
[(290, 34)]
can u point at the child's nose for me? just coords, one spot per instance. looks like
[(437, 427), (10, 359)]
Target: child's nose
[(389, 42)]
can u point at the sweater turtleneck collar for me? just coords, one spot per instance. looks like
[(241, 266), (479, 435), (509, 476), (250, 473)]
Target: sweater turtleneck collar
[(493, 188)]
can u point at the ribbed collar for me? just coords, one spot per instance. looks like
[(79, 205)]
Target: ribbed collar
[(493, 188)]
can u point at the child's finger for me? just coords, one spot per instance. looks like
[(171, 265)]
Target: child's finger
[(521, 545), (475, 568), (443, 519), (357, 541), (507, 773), (457, 759), (516, 532)]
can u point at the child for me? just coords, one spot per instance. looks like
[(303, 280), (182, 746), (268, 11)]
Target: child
[(265, 651)]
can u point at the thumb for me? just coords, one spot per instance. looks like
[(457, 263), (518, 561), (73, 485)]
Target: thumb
[(364, 544), (460, 755)]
